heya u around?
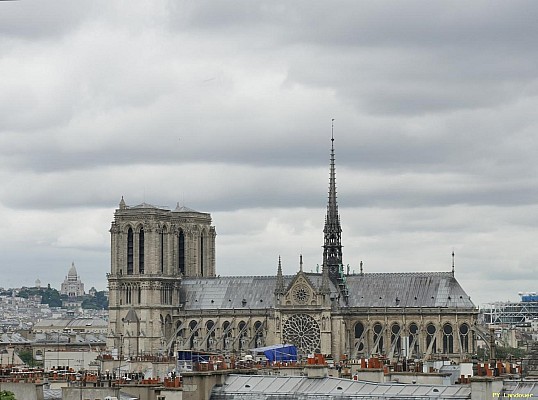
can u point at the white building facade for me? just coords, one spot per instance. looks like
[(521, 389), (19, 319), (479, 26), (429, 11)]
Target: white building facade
[(72, 286)]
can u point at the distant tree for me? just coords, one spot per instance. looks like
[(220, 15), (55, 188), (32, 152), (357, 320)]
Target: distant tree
[(506, 353), (7, 395), (49, 295), (501, 353), (97, 302), (27, 357)]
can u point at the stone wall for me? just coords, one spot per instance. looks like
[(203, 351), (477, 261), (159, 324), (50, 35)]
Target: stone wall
[(24, 391)]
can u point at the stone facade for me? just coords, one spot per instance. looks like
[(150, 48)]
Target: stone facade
[(152, 249), (234, 314), (165, 296)]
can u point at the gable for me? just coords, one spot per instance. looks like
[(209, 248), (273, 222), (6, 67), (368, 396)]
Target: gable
[(300, 291)]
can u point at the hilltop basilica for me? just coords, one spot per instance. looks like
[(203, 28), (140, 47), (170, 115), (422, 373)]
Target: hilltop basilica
[(165, 296)]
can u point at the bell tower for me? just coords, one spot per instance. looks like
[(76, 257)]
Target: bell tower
[(152, 249)]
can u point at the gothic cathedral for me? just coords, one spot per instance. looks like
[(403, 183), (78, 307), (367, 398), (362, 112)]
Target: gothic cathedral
[(165, 296)]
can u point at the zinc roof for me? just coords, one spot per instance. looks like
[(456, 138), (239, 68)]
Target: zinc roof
[(13, 338), (523, 388), (87, 323), (264, 387)]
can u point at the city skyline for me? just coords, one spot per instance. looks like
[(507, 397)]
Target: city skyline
[(227, 109)]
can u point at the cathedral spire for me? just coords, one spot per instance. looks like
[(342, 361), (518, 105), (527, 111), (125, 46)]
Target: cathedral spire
[(332, 207), (332, 232), (332, 247)]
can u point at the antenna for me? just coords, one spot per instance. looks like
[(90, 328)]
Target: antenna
[(452, 262)]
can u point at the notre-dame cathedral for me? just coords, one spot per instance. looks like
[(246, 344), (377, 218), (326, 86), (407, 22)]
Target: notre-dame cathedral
[(165, 296)]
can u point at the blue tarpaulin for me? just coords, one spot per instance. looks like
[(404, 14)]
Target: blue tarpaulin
[(278, 352)]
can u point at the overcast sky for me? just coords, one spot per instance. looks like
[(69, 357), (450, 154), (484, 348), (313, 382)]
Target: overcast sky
[(226, 107)]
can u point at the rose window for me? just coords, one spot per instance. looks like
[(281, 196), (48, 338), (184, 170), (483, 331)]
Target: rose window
[(302, 331), (301, 294)]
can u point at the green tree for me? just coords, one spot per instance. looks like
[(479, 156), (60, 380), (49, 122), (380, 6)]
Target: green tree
[(27, 357), (48, 295), (7, 395), (51, 297), (501, 353), (505, 353), (97, 302)]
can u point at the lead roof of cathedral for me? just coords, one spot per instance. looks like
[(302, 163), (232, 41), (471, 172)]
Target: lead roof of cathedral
[(184, 209), (416, 289), (147, 205), (181, 209)]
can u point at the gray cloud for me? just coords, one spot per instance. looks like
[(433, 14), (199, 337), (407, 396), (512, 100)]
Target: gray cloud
[(227, 108), (32, 20)]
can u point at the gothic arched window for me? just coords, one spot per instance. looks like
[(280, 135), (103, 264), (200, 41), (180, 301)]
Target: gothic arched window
[(258, 334), (395, 339), (130, 252), (210, 334), (181, 252), (227, 335), (378, 338), (128, 294), (202, 255), (194, 334), (242, 334), (430, 338), (141, 251), (359, 330), (464, 337), (413, 340), (162, 251), (448, 339)]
